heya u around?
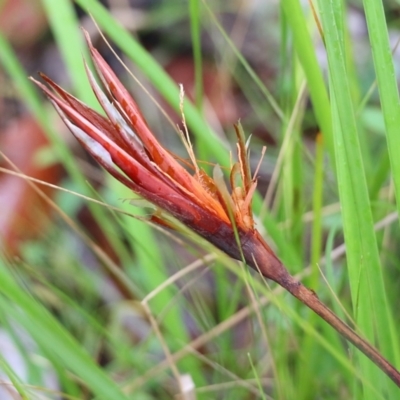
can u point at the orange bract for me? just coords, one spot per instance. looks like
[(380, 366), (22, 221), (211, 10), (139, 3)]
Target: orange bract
[(124, 140), (124, 145)]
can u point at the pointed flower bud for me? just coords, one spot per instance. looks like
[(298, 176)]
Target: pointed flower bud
[(124, 145)]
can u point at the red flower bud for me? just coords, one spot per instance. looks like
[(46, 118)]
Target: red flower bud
[(124, 145)]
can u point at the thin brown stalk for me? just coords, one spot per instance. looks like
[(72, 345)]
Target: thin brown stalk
[(272, 268)]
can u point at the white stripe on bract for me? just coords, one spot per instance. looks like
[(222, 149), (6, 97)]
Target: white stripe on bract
[(91, 145), (113, 113), (95, 148)]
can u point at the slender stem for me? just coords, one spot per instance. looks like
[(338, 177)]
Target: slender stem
[(260, 257), (311, 300)]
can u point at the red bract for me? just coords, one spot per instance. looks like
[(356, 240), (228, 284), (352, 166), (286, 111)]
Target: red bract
[(124, 145)]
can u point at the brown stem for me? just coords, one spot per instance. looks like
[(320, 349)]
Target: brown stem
[(265, 261), (311, 300)]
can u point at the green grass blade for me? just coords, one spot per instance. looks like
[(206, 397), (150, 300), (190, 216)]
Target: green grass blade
[(54, 339), (317, 232), (195, 17), (65, 26), (365, 273), (306, 52), (387, 85)]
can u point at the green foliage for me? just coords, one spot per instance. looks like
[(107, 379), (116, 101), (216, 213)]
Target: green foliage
[(205, 315)]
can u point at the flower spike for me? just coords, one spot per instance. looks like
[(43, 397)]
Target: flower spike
[(124, 145)]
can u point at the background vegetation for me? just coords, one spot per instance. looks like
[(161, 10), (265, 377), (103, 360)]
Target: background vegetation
[(96, 303)]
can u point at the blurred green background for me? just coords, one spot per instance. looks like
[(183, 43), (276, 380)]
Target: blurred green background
[(82, 313)]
